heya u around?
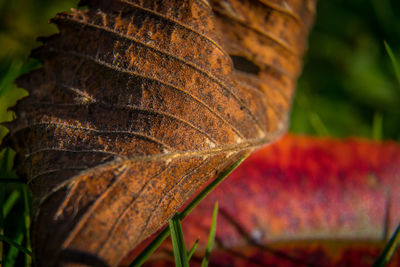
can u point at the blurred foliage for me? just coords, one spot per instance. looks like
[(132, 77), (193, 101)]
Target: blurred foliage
[(21, 22), (348, 77)]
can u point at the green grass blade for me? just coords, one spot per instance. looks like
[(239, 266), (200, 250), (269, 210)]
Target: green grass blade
[(5, 163), (389, 249), (211, 237), (393, 59), (314, 119), (6, 173), (317, 124), (13, 251), (193, 249), (146, 253), (209, 188), (10, 202), (14, 244), (178, 243), (27, 222)]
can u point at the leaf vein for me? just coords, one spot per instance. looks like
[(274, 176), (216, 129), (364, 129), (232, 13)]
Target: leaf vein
[(126, 210), (138, 134), (287, 11), (31, 179), (181, 60), (158, 14), (134, 107), (118, 69), (158, 205), (265, 34)]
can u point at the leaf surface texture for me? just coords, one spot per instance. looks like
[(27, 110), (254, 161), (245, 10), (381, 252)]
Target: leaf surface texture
[(139, 104)]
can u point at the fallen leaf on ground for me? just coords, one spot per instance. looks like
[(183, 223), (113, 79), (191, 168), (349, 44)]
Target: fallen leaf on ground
[(140, 103)]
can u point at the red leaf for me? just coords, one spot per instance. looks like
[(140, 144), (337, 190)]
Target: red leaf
[(289, 196)]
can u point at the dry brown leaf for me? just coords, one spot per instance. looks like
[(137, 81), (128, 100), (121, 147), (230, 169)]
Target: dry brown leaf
[(138, 105)]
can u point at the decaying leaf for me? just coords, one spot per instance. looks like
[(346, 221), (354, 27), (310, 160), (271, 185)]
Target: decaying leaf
[(302, 201), (140, 103)]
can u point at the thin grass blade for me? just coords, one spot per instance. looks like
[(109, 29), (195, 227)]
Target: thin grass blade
[(27, 221), (394, 61), (389, 249), (209, 188), (193, 249), (14, 251), (10, 202), (146, 253), (14, 244), (211, 237), (178, 243)]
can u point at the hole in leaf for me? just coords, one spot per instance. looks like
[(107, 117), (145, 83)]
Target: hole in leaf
[(243, 64)]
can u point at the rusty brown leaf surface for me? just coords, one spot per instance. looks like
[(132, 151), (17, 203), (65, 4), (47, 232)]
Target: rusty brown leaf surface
[(140, 103)]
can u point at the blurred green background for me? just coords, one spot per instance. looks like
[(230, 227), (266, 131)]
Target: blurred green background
[(348, 86)]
